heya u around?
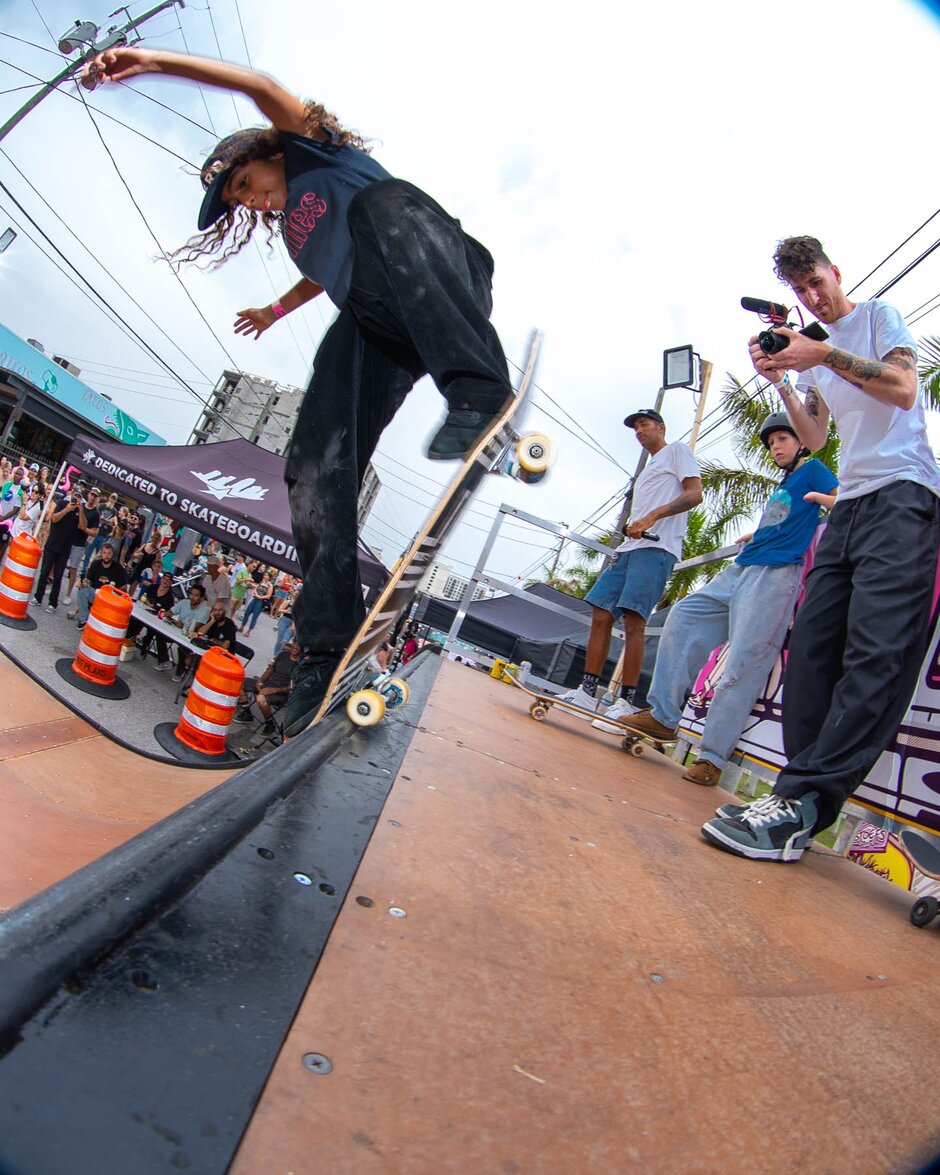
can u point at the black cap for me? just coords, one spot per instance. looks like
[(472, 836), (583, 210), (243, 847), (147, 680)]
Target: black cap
[(216, 171), (651, 413)]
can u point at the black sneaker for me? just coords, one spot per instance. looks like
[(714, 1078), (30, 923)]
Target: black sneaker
[(242, 716), (311, 676), (269, 728), (459, 433), (774, 829)]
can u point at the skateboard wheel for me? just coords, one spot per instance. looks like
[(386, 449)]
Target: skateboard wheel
[(395, 691), (535, 452), (366, 707), (538, 711), (638, 750), (924, 911)]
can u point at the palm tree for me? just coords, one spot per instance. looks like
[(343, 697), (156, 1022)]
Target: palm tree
[(929, 370)]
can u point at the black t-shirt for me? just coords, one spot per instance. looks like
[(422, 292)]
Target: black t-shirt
[(157, 601), (281, 668), (91, 522), (98, 574), (64, 534), (221, 630)]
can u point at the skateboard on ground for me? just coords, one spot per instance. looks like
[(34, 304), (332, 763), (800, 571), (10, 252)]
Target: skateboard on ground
[(544, 702), (501, 449)]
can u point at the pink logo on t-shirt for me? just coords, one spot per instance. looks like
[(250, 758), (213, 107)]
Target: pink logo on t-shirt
[(302, 221)]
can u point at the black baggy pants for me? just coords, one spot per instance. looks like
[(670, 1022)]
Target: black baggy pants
[(858, 641), (53, 563), (419, 303)]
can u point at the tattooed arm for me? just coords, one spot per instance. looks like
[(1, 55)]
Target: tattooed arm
[(891, 380)]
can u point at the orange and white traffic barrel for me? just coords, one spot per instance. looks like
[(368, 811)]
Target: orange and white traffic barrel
[(210, 704), (94, 669), (16, 581)]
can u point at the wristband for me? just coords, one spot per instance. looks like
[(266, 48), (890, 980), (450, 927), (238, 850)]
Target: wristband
[(278, 310), (784, 388)]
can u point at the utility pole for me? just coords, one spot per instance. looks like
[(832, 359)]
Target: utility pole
[(84, 33)]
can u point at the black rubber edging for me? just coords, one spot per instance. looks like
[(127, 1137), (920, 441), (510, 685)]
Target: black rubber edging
[(66, 929)]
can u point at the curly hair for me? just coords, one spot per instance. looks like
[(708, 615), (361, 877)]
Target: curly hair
[(798, 256), (232, 231)]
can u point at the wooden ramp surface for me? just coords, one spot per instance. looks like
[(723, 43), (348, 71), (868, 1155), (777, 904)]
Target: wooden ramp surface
[(580, 983), (69, 794)]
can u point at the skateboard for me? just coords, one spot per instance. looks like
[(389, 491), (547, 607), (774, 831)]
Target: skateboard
[(639, 745), (909, 858), (499, 450), (544, 702)]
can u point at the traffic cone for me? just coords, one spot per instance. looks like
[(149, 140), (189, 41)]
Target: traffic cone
[(94, 669), (210, 705), (16, 581)]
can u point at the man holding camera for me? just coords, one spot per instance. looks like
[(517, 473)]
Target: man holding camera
[(66, 531), (861, 632)]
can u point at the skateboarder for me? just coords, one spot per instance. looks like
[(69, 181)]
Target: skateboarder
[(414, 298), (668, 487), (861, 632), (749, 604)]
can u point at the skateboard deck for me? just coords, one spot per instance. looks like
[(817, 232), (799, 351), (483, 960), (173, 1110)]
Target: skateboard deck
[(355, 672), (544, 702)]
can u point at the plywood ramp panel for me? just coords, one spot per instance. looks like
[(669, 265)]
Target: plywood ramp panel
[(69, 794), (580, 983)]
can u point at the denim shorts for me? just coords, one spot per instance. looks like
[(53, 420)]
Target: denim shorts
[(634, 582)]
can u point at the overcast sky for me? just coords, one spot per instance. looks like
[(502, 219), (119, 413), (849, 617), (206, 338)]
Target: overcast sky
[(630, 170)]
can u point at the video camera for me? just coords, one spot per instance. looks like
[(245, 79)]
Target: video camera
[(769, 341)]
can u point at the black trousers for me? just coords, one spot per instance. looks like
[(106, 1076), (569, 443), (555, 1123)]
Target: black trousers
[(419, 303), (54, 562), (858, 641)]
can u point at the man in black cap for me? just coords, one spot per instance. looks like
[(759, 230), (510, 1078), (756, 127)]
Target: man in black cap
[(668, 487)]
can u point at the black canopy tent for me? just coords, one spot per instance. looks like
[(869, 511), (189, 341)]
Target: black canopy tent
[(232, 491)]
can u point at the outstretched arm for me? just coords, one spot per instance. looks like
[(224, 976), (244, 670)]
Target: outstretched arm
[(283, 109), (256, 320)]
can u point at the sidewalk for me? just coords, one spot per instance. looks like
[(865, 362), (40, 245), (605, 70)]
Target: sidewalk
[(151, 702)]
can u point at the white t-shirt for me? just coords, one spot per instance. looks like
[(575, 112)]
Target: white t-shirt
[(29, 527), (660, 483), (880, 444)]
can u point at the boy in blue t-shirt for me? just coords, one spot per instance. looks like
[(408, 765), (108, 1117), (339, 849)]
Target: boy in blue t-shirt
[(749, 604)]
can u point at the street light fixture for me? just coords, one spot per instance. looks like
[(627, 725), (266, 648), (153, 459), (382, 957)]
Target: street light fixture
[(679, 367), (6, 239)]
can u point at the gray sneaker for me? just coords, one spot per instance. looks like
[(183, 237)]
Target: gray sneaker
[(736, 811), (459, 433), (776, 829)]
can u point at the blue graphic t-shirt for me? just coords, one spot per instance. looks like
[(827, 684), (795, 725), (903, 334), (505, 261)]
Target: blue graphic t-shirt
[(788, 523), (322, 179)]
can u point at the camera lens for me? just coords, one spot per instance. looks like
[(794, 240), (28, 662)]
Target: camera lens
[(770, 342)]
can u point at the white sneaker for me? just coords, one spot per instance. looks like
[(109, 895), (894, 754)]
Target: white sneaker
[(50, 607), (67, 601), (580, 697), (620, 709)]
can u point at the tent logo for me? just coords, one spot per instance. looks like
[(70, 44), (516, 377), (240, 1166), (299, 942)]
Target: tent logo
[(220, 486)]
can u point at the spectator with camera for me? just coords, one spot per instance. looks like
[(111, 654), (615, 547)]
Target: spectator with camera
[(66, 526), (861, 632), (87, 530), (749, 604)]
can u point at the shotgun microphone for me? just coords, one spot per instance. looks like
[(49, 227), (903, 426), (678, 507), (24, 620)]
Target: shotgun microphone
[(770, 309)]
